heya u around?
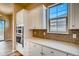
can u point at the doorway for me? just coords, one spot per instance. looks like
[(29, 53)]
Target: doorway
[(2, 26)]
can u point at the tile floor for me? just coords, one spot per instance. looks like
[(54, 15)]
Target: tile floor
[(6, 49)]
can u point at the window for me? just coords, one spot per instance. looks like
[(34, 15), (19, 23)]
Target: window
[(57, 18)]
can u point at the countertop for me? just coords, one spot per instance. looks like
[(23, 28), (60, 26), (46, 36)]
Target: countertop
[(59, 45)]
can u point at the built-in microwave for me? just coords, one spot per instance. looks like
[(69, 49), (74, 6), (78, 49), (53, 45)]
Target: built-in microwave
[(19, 29)]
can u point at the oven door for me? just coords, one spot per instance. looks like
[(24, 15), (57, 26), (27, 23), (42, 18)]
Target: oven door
[(19, 39)]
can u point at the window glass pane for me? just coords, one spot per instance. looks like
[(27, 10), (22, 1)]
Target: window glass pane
[(53, 15), (61, 21), (62, 7), (53, 25), (1, 25), (53, 29), (53, 12), (62, 10), (58, 11), (62, 13), (53, 9), (62, 25), (62, 29), (53, 21)]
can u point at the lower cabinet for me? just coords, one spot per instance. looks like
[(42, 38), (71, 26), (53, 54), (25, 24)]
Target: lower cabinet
[(70, 55), (35, 49), (51, 52), (39, 50), (19, 48)]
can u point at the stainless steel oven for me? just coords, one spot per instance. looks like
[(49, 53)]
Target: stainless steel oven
[(20, 35)]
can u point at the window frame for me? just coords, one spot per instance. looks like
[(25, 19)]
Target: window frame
[(48, 19)]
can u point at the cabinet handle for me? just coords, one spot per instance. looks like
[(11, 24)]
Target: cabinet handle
[(42, 53), (52, 52), (73, 25)]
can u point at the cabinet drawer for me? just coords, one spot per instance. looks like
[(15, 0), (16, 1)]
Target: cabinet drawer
[(52, 52)]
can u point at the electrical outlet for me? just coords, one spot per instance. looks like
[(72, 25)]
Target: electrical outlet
[(34, 33), (44, 33), (74, 36)]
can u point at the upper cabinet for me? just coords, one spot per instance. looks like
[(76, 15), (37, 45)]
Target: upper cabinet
[(37, 17), (20, 17), (74, 16)]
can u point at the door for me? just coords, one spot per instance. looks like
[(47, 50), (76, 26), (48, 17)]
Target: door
[(1, 30)]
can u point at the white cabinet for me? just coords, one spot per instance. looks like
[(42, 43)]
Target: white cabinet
[(51, 52), (35, 49), (19, 18), (22, 20), (39, 50), (20, 48), (74, 16), (37, 17), (70, 54)]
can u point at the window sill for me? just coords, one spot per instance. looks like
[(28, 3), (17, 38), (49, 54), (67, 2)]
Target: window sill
[(58, 32)]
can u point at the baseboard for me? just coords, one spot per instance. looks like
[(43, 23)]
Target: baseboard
[(7, 40), (14, 50), (19, 53)]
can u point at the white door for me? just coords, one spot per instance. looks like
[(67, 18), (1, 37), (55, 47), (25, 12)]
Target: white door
[(1, 29)]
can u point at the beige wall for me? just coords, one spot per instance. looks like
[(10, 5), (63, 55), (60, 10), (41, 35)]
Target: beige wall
[(8, 30)]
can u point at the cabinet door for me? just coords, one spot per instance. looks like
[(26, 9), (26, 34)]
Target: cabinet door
[(70, 55), (26, 48), (19, 48), (37, 17), (74, 16), (35, 49), (51, 52), (19, 17)]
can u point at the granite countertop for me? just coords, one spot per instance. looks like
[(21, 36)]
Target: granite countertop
[(59, 45)]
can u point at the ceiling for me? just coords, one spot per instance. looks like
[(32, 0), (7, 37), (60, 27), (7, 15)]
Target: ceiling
[(7, 8), (33, 5)]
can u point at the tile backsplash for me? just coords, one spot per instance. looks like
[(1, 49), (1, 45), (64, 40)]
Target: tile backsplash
[(42, 33)]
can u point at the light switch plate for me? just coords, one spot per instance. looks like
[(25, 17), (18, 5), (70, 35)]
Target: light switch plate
[(74, 36)]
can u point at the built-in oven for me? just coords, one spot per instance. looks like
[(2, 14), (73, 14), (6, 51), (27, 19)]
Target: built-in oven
[(19, 29), (20, 35)]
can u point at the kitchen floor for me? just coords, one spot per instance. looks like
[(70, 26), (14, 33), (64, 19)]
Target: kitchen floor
[(6, 49)]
